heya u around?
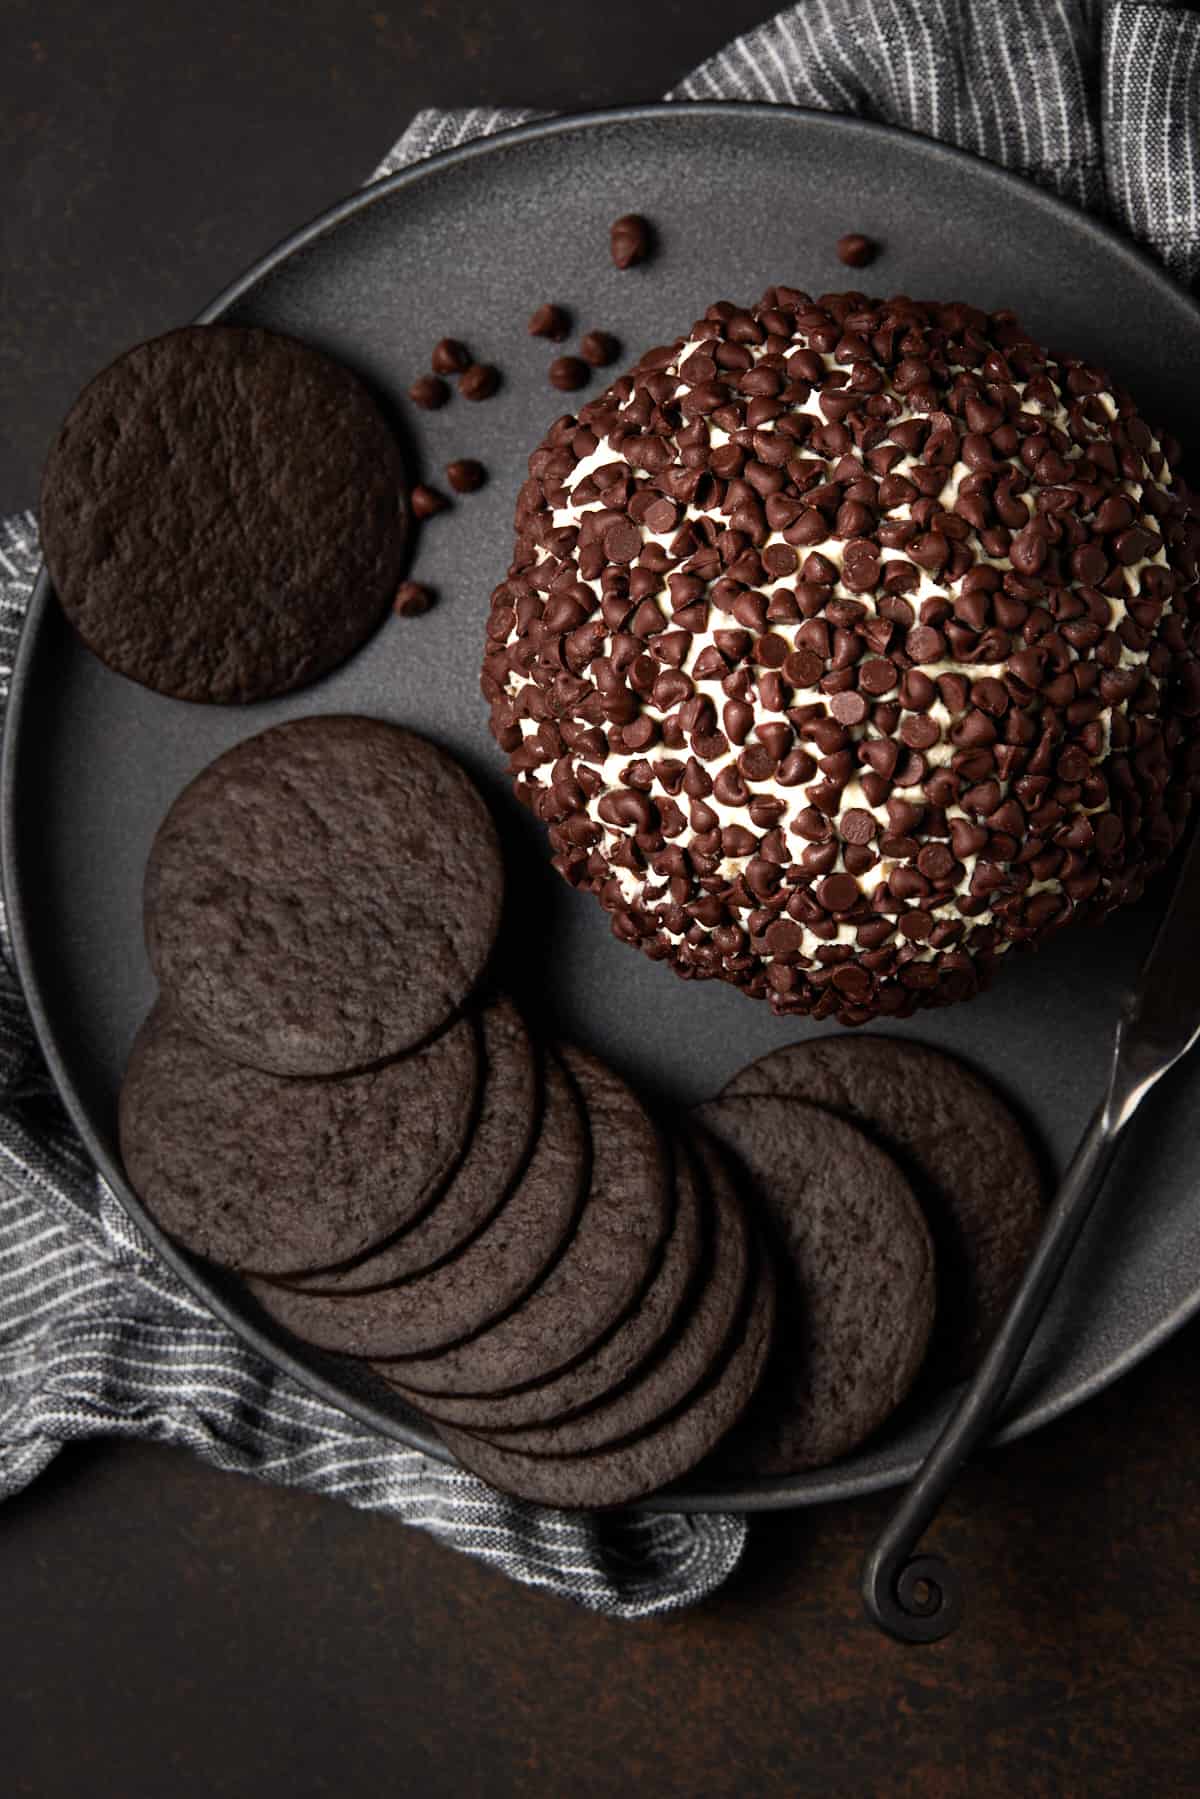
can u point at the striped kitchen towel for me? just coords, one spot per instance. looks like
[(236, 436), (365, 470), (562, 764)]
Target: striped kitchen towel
[(98, 1336)]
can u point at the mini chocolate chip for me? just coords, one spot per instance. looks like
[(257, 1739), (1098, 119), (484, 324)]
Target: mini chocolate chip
[(412, 599), (425, 501), (919, 733), (819, 858), (973, 730), (629, 240), (622, 541), (450, 357), (429, 392), (568, 373), (757, 764), (1114, 514), (765, 812), (738, 719), (599, 348), (855, 250), (917, 691), (803, 668), (881, 754), (858, 826), (771, 651), (819, 570), (837, 893), (796, 767), (908, 883), (849, 708), (737, 841), (936, 862), (661, 516), (465, 475), (1029, 546), (1131, 545), (860, 564), (479, 382), (549, 321), (878, 676), (924, 644), (783, 938), (730, 788)]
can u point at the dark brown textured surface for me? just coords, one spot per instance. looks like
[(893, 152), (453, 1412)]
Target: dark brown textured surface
[(324, 894), (283, 1176), (159, 1615), (223, 514)]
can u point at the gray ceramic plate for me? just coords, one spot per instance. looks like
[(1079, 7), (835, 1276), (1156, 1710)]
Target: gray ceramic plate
[(467, 245)]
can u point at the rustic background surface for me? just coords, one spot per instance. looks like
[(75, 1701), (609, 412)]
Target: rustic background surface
[(168, 1630)]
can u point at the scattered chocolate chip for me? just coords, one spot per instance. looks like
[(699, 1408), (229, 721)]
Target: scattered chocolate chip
[(599, 349), (450, 357), (479, 381), (465, 475), (412, 599), (429, 392), (549, 321), (568, 373), (855, 250), (629, 240), (426, 501)]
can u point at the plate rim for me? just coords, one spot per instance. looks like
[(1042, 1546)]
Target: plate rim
[(780, 1493)]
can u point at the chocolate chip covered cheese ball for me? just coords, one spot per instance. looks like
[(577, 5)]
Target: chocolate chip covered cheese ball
[(849, 643)]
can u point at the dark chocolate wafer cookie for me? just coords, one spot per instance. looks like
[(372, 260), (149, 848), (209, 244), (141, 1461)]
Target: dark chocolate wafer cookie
[(631, 1343), (857, 1282), (686, 1359), (223, 514), (505, 1125), (601, 1273), (966, 1155), (629, 1470), (281, 1176), (323, 895), (488, 1276)]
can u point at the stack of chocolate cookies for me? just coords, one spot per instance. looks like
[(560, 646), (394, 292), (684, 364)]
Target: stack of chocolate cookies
[(327, 1100)]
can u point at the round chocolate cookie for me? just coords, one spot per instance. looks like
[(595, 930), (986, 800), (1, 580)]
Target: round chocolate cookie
[(857, 1293), (499, 1148), (628, 1471), (223, 514), (965, 1153), (488, 1275), (323, 895), (281, 1176), (633, 1342), (602, 1271), (685, 1360), (847, 645)]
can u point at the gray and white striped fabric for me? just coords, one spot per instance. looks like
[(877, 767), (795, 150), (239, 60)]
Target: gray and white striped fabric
[(1097, 99), (1099, 102)]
